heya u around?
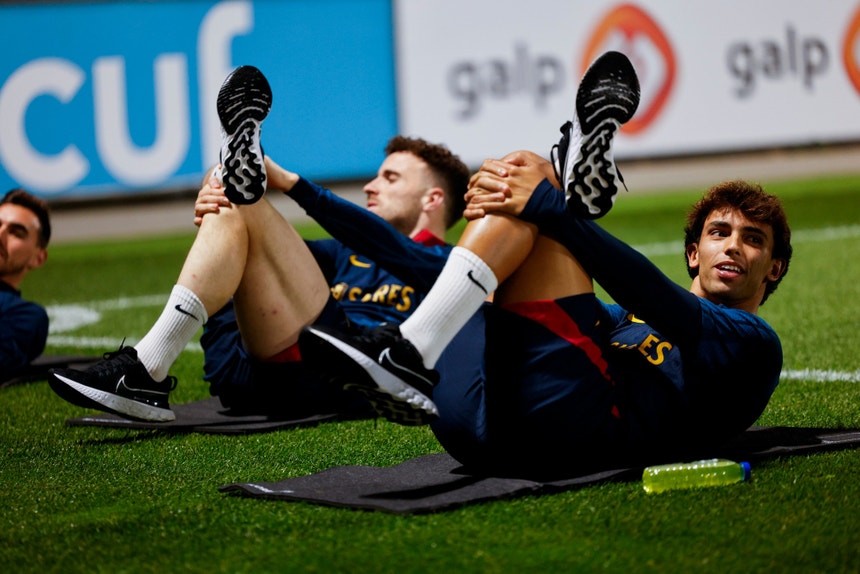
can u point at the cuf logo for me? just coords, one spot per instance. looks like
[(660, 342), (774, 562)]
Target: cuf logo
[(851, 51), (630, 30)]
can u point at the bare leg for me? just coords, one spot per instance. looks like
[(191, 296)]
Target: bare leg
[(528, 266), (549, 272), (251, 253), (496, 250), (502, 241)]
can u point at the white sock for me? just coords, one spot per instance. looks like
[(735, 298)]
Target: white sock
[(182, 316), (465, 282)]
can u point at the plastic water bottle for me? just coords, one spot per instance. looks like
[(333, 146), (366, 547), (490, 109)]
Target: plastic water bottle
[(712, 472)]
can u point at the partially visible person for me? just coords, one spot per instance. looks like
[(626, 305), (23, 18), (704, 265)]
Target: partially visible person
[(25, 229)]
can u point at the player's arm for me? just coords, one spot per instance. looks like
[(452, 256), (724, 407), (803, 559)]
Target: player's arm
[(523, 184), (629, 277), (370, 235), (23, 333)]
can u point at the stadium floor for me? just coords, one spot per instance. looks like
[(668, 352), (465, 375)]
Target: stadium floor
[(174, 213)]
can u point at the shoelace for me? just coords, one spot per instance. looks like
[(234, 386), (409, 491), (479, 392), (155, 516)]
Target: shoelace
[(375, 337), (115, 362)]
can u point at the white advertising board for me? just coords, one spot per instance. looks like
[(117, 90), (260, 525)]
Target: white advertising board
[(492, 76)]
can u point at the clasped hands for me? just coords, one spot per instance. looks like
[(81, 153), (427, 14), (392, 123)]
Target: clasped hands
[(505, 185)]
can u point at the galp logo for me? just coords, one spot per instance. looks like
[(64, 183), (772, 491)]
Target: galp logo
[(851, 51), (630, 30)]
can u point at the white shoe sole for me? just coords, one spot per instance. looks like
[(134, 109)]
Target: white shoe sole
[(118, 404), (390, 396)]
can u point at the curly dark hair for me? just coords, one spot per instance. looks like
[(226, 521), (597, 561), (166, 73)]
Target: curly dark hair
[(756, 205), (452, 172), (35, 204)]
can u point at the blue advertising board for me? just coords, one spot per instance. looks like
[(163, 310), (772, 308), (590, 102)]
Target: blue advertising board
[(108, 98)]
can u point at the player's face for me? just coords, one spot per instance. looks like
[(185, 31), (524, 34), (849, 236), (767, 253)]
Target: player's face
[(735, 260), (19, 243), (397, 192)]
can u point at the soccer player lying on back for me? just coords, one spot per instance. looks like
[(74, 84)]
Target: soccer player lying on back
[(252, 283), (569, 381)]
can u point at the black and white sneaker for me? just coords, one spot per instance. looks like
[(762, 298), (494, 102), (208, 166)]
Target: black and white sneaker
[(118, 384), (244, 102), (380, 364), (607, 97)]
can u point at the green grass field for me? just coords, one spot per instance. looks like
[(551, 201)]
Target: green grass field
[(99, 500)]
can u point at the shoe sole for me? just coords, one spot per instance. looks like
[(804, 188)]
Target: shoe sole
[(390, 397), (244, 102), (88, 397), (65, 392), (607, 97)]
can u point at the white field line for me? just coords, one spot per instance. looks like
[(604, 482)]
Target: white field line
[(104, 343), (820, 376), (69, 316)]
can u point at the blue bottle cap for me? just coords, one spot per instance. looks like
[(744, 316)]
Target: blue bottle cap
[(746, 467)]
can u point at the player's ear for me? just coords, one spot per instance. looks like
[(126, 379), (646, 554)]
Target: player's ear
[(433, 199), (777, 269), (39, 257), (693, 256)]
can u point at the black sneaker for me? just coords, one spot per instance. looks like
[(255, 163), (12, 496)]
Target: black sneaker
[(380, 364), (608, 96), (118, 384), (243, 103)]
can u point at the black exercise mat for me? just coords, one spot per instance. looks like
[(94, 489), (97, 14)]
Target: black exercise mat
[(437, 482), (209, 416), (38, 369), (760, 443), (428, 483)]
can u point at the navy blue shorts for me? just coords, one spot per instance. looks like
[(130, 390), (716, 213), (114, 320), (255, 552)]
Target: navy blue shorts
[(546, 401), (283, 387)]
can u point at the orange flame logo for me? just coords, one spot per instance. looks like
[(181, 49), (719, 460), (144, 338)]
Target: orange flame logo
[(630, 30), (850, 51)]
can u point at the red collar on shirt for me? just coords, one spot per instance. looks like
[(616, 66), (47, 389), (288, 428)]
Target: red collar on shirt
[(427, 239)]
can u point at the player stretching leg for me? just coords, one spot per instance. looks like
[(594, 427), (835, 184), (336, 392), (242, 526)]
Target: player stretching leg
[(121, 383), (384, 364), (248, 257)]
